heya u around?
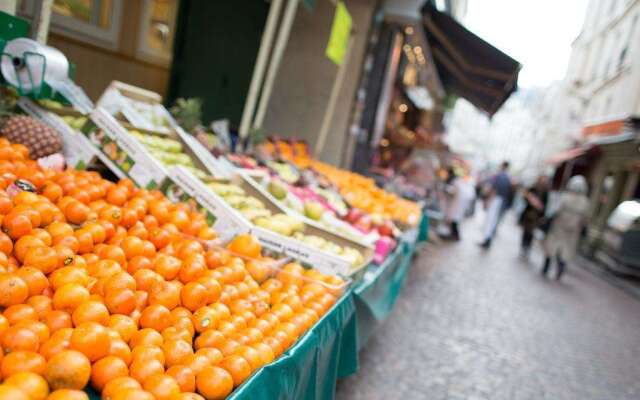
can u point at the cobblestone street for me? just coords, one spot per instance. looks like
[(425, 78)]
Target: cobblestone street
[(472, 324)]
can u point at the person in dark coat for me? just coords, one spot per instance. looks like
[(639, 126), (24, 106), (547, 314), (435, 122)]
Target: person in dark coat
[(535, 199)]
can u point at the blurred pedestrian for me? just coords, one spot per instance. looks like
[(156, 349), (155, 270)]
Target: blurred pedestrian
[(457, 201), (562, 240), (535, 199), (500, 190)]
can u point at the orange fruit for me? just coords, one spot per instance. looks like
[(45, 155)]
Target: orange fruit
[(16, 338), (120, 301), (16, 225), (124, 325), (107, 369), (166, 294), (204, 318), (120, 281), (265, 352), (184, 376), (118, 384), (176, 351), (214, 383), (214, 289), (275, 344), (167, 266), (146, 336), (34, 278), (245, 245), (91, 339), (137, 263), (251, 355), (54, 345), (162, 386), (70, 296), (141, 370), (197, 362), (120, 349), (13, 290), (57, 319), (68, 394), (209, 338), (91, 311), (40, 329), (193, 267), (156, 317), (76, 212), (41, 257), (29, 383), (146, 279), (148, 352), (193, 296), (22, 361), (68, 369), (20, 312), (213, 354), (9, 392), (132, 394), (41, 304)]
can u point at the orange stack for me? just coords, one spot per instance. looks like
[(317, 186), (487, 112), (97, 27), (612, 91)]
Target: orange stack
[(114, 286)]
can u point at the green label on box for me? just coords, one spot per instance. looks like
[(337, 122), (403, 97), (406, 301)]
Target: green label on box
[(340, 31)]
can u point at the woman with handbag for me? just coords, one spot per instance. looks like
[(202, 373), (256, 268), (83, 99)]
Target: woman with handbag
[(562, 240)]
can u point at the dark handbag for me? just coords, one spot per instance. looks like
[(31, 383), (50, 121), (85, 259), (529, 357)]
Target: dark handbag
[(545, 224)]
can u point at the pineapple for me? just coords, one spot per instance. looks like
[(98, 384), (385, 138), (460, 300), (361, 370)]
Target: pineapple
[(40, 139)]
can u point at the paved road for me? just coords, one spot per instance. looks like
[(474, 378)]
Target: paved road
[(472, 325)]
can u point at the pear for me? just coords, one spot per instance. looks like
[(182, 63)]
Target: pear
[(277, 189)]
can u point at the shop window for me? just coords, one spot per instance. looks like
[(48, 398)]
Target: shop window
[(157, 30), (92, 21)]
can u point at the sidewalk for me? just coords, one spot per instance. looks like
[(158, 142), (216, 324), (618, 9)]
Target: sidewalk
[(474, 324)]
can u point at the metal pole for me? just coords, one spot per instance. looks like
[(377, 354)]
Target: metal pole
[(384, 102), (41, 20), (278, 52), (266, 43), (8, 6), (333, 101)]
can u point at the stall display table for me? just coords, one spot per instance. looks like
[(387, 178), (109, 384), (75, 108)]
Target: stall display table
[(329, 350)]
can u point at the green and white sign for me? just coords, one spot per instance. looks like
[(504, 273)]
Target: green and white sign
[(340, 31)]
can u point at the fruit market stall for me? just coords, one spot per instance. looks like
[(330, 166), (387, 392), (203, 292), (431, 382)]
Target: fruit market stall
[(178, 278)]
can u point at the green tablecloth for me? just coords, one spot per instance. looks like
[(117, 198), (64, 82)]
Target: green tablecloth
[(379, 289)]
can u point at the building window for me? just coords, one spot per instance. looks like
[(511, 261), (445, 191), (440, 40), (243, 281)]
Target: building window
[(625, 48), (157, 30), (92, 21)]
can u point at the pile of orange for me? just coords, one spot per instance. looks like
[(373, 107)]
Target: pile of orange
[(363, 193), (112, 286)]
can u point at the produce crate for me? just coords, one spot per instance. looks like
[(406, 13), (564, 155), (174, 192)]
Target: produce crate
[(366, 240), (77, 149), (324, 261), (119, 151), (143, 110)]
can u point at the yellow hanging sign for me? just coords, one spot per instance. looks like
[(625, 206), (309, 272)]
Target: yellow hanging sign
[(340, 31)]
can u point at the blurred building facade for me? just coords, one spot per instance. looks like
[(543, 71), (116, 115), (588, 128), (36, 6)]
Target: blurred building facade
[(602, 92), (604, 68)]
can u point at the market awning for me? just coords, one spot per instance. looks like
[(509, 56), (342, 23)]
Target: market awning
[(566, 155), (467, 65)]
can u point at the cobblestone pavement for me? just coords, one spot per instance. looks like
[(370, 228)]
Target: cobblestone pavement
[(477, 325)]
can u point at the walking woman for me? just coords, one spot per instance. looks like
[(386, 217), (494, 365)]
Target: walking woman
[(536, 203), (562, 240)]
